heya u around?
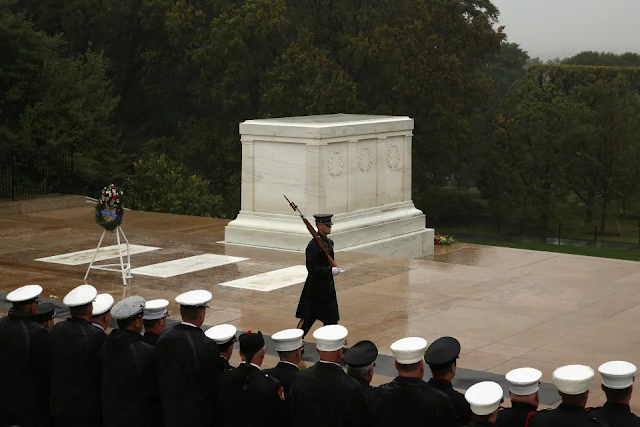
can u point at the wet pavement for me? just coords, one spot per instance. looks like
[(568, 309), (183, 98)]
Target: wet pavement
[(508, 307)]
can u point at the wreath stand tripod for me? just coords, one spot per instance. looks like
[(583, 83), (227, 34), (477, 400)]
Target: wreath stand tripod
[(124, 267)]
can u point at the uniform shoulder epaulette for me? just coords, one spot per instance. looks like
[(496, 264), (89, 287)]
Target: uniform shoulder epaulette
[(597, 421), (272, 378)]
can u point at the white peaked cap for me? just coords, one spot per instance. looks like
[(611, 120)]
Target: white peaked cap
[(221, 334), (82, 295), (573, 379), (409, 350), (288, 340), (330, 337), (155, 309), (484, 397), (617, 374), (102, 304), (24, 293), (194, 298), (524, 381)]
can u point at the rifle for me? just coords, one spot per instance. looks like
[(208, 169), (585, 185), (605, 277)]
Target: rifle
[(313, 232)]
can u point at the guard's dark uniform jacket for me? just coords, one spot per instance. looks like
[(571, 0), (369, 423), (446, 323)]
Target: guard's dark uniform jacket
[(411, 401), (318, 299), (324, 395), (223, 365), (75, 346), (563, 416), (479, 424), (25, 365), (516, 416), (249, 398), (188, 376), (150, 338), (615, 414), (129, 381), (284, 373), (460, 404)]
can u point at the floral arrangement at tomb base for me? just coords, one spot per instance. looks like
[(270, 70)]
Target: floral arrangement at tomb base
[(443, 239), (109, 209)]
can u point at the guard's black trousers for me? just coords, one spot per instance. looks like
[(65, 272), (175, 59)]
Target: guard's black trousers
[(306, 324)]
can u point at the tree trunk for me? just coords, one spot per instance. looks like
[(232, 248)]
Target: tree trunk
[(603, 216), (590, 203)]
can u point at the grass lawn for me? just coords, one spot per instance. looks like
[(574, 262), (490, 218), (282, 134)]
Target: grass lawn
[(629, 255)]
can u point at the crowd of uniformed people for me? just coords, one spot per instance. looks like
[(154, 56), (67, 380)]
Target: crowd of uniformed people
[(74, 374)]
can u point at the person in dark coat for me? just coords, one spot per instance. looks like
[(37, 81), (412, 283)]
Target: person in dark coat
[(154, 320), (248, 396), (129, 377), (617, 384), (524, 384), (484, 399), (572, 382), (324, 395), (318, 300), (408, 399), (225, 337), (101, 314), (187, 361), (441, 357), (76, 378), (44, 316), (360, 361), (24, 361)]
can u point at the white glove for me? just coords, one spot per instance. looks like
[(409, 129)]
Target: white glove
[(335, 271)]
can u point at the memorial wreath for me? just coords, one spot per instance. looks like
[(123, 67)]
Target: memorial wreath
[(109, 209)]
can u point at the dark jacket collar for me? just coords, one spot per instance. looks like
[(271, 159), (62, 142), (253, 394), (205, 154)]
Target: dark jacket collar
[(441, 383), (184, 327), (617, 407), (409, 381), (79, 321), (289, 366), (19, 314), (571, 408)]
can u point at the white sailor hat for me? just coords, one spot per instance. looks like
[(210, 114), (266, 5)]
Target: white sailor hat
[(484, 397), (155, 309), (288, 340), (617, 374), (128, 307), (524, 381), (409, 350), (221, 334), (82, 295), (573, 379), (25, 293), (102, 304), (197, 298), (330, 337)]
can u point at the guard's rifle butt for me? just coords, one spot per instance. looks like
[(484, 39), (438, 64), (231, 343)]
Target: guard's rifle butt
[(313, 232)]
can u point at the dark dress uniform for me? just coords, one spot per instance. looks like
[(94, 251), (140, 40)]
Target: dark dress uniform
[(129, 381), (150, 338), (75, 346), (249, 398), (370, 394), (284, 372), (318, 300), (563, 416), (411, 401), (324, 395), (516, 416), (460, 404), (224, 365), (188, 376), (479, 424), (615, 414), (25, 363)]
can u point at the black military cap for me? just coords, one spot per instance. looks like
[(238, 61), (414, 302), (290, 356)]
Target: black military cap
[(323, 219), (46, 311), (442, 352), (251, 343), (363, 353)]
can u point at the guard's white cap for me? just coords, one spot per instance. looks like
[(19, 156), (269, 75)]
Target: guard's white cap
[(409, 350), (24, 293), (330, 337), (617, 374), (194, 298), (155, 309), (82, 295), (102, 304), (573, 379), (484, 397), (221, 334), (524, 381), (288, 340)]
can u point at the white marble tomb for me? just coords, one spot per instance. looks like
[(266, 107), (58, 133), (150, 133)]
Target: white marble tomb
[(357, 167)]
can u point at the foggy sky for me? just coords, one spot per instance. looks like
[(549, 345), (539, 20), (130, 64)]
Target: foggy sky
[(561, 28)]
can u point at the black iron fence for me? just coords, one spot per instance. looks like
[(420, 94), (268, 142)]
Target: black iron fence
[(38, 171)]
